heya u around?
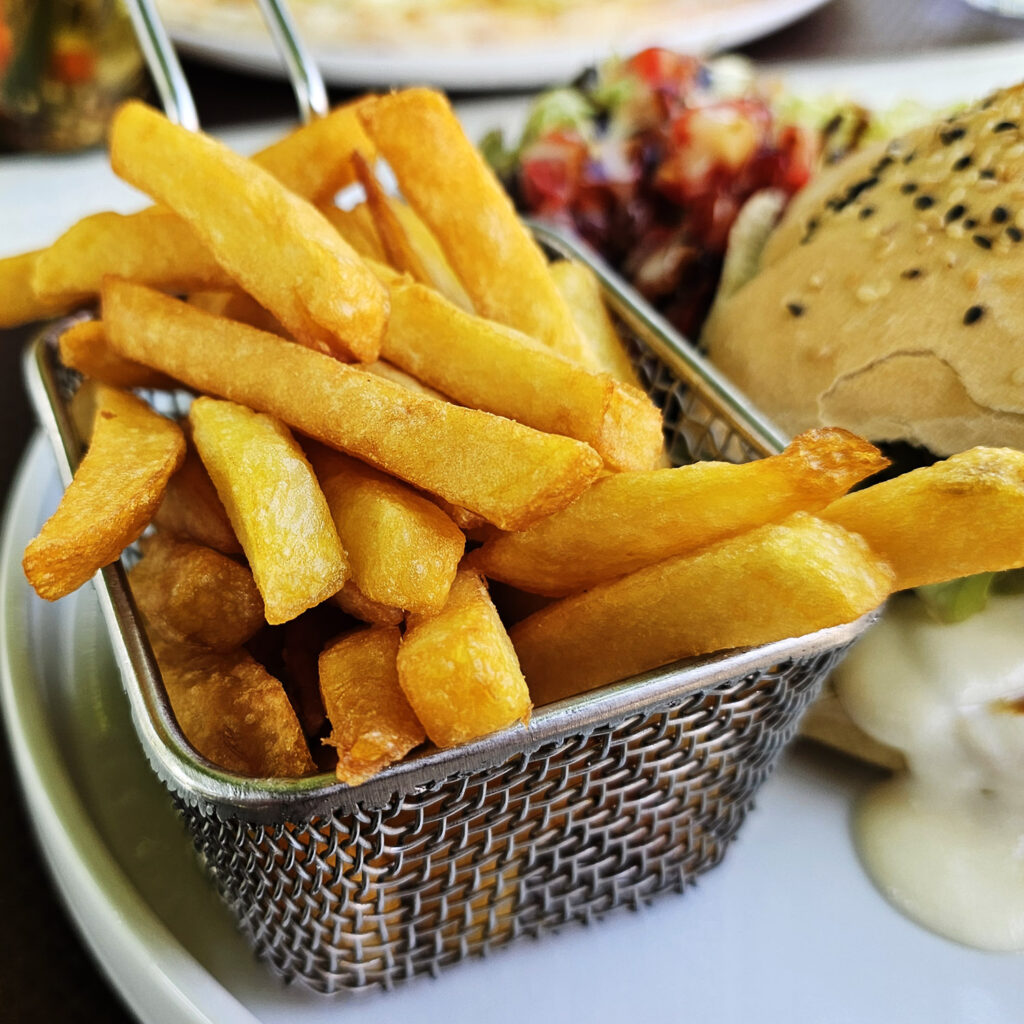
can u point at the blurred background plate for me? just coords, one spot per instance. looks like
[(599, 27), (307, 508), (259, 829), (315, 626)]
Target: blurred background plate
[(471, 46)]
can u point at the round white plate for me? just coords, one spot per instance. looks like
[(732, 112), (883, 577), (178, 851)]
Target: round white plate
[(230, 32), (787, 929)]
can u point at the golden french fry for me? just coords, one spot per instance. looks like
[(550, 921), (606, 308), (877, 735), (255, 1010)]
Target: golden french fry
[(116, 490), (233, 712), (192, 508), (438, 271), (154, 246), (458, 668), (253, 226), (236, 305), (402, 549), (955, 518), (630, 520), (372, 724), (390, 372), (580, 288), (357, 228), (495, 368), (19, 303), (191, 594), (779, 580), (83, 347), (274, 503), (498, 263), (507, 473), (352, 601)]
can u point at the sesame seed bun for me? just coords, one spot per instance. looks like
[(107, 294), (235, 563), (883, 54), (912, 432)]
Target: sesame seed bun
[(890, 298)]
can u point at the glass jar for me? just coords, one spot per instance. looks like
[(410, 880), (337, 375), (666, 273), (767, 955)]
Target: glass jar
[(64, 67)]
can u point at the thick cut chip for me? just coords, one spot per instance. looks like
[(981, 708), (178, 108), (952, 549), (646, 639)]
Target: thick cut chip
[(352, 601), (274, 503), (459, 670), (954, 518), (116, 490), (192, 508), (580, 288), (356, 226), (449, 185), (19, 303), (83, 347), (233, 712), (236, 305), (780, 580), (372, 723), (154, 246), (507, 473), (630, 520), (253, 226), (191, 594), (402, 549), (386, 370), (489, 366)]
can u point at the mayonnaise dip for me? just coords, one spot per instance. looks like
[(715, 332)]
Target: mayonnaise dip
[(944, 840)]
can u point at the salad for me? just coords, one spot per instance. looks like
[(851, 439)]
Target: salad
[(650, 160)]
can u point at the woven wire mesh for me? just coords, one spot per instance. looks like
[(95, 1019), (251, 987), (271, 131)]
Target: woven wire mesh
[(376, 891)]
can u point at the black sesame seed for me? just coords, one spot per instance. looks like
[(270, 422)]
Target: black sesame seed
[(795, 308), (955, 213), (910, 274), (970, 223), (924, 202), (973, 315), (963, 163), (951, 135), (981, 240), (1015, 233), (1000, 215), (866, 212), (988, 174), (1006, 126), (908, 188)]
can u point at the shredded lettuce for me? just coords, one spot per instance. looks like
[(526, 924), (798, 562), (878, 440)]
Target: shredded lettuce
[(564, 108)]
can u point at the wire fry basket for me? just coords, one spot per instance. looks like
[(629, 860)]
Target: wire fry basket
[(602, 801)]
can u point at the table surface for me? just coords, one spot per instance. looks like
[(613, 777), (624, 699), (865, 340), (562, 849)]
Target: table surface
[(45, 972)]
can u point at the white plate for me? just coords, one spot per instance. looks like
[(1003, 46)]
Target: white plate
[(231, 33), (788, 928)]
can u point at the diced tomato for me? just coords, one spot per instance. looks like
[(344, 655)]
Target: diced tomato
[(551, 171), (664, 70)]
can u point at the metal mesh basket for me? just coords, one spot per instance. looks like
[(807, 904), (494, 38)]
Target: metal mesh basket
[(602, 801)]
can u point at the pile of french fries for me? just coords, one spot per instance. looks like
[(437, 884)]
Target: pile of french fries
[(396, 402)]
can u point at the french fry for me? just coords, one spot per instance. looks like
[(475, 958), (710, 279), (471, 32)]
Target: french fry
[(495, 368), (491, 252), (192, 508), (402, 549), (372, 723), (19, 303), (390, 372), (580, 288), (458, 669), (356, 226), (352, 601), (236, 305), (253, 225), (507, 473), (116, 490), (233, 712), (955, 518), (779, 580), (154, 246), (629, 520), (83, 347), (406, 241), (274, 503), (191, 594)]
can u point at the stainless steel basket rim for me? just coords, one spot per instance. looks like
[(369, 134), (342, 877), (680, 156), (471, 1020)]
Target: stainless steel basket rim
[(201, 783)]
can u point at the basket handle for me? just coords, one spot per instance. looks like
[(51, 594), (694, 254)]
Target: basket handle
[(172, 86)]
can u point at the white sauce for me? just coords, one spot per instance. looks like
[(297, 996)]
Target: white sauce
[(944, 841)]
